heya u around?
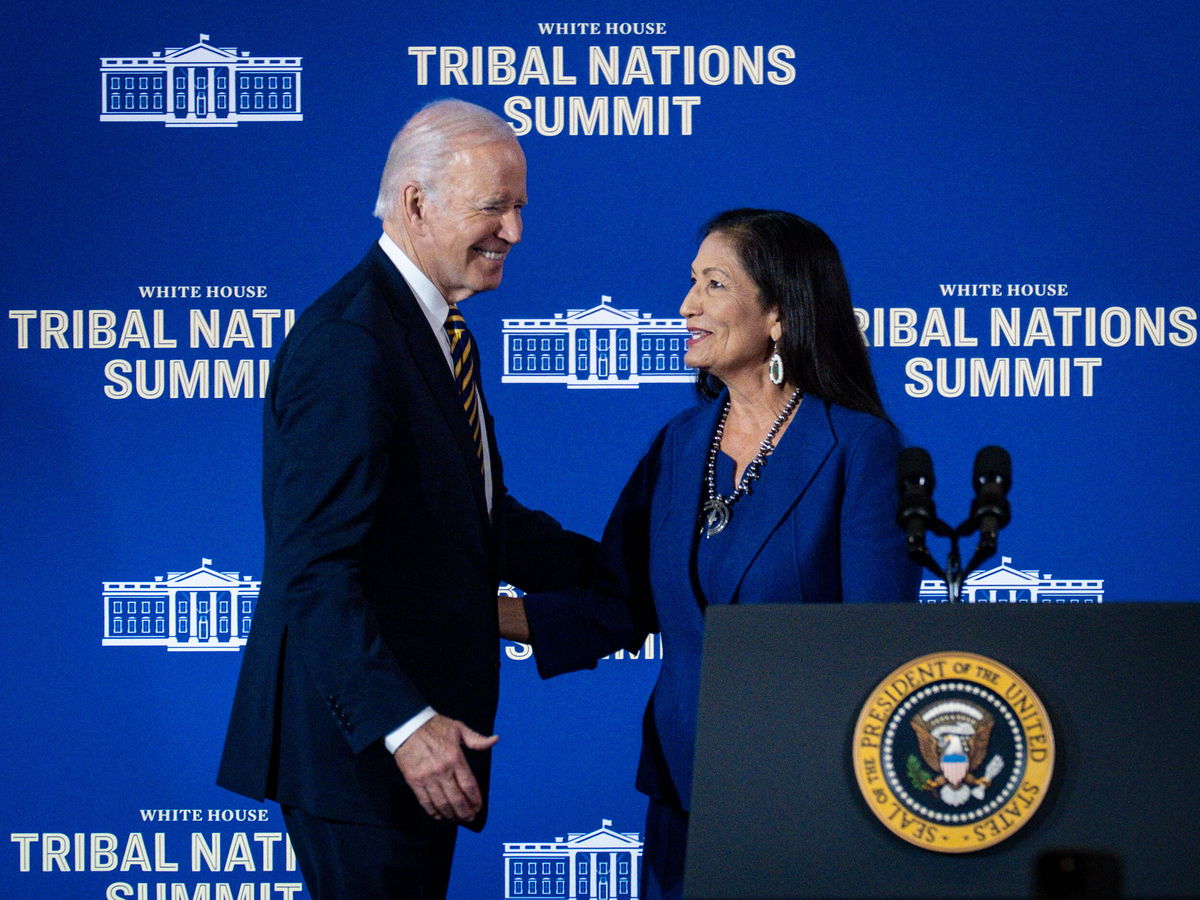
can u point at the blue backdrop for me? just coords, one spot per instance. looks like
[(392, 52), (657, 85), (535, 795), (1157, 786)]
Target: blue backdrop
[(1014, 192)]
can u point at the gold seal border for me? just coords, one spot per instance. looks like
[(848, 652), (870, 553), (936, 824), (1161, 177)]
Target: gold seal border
[(892, 691)]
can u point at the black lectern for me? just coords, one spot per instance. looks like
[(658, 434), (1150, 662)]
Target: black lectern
[(777, 807)]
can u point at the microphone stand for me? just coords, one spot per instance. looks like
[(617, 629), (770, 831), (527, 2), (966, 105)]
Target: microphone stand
[(954, 575), (989, 512), (954, 571)]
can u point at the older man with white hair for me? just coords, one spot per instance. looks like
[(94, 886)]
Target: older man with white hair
[(369, 684)]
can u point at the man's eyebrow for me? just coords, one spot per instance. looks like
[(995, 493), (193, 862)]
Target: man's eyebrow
[(504, 200)]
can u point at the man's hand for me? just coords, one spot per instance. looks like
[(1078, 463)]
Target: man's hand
[(433, 764)]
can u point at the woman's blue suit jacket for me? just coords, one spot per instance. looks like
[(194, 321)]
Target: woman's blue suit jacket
[(819, 527)]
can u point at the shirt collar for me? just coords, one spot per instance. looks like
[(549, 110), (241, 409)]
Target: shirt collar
[(433, 304)]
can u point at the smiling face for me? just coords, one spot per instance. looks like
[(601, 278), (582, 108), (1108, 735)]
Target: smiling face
[(730, 334), (460, 234)]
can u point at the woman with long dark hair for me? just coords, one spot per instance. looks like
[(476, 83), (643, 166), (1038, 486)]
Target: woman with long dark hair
[(780, 488)]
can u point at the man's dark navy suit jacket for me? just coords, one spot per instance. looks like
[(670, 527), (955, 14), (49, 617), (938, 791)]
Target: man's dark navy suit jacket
[(379, 586)]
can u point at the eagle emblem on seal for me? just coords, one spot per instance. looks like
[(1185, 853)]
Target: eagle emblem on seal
[(952, 736)]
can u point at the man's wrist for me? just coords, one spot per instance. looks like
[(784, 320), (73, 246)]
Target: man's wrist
[(393, 739)]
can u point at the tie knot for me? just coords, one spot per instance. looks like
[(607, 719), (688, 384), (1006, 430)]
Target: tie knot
[(455, 320)]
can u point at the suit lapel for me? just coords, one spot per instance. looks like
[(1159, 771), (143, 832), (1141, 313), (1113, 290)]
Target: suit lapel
[(789, 471), (426, 354)]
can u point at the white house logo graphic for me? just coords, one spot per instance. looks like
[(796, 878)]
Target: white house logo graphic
[(198, 610), (200, 86), (598, 347), (1005, 584), (599, 865)]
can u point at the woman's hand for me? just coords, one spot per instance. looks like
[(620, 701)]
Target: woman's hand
[(513, 624)]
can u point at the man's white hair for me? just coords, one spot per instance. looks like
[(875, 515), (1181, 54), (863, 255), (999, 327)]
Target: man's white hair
[(424, 146)]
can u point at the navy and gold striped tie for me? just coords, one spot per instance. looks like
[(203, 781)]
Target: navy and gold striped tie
[(466, 374)]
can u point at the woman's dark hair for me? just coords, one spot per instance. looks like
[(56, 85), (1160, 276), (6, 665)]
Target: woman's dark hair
[(798, 271)]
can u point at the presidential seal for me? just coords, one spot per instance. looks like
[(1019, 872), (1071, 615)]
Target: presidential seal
[(953, 752)]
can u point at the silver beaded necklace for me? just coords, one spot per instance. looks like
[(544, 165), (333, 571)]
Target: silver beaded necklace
[(718, 508)]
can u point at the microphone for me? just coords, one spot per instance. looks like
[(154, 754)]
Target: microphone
[(992, 479), (915, 483)]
